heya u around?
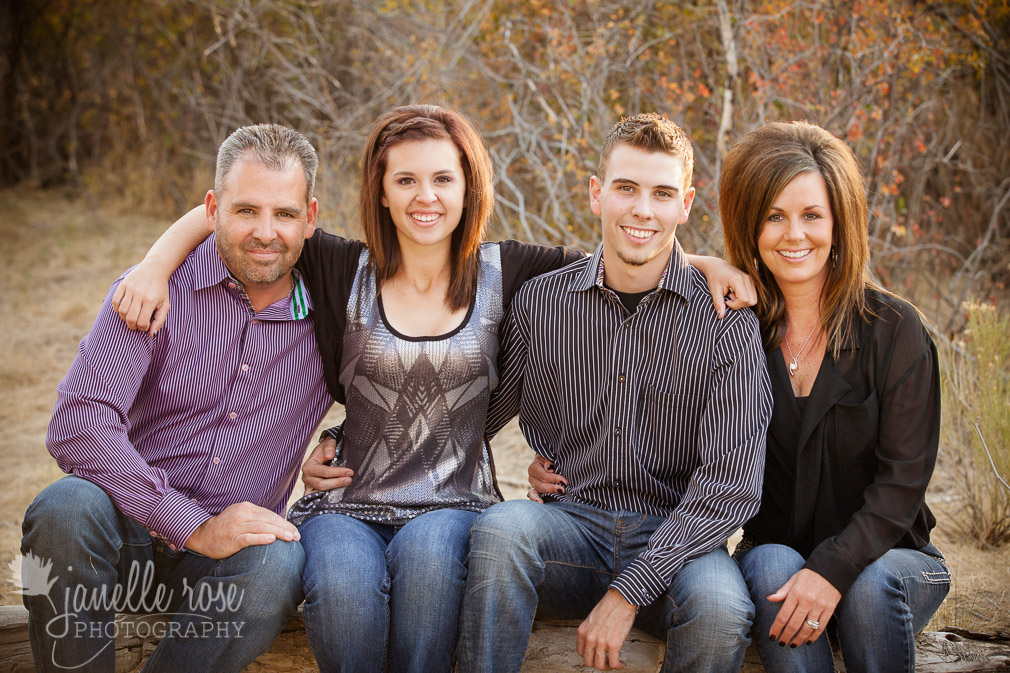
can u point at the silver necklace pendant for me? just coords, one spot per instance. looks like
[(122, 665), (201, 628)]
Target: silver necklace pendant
[(792, 367)]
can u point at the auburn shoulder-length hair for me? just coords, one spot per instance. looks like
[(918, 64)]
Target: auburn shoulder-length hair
[(754, 172), (428, 122)]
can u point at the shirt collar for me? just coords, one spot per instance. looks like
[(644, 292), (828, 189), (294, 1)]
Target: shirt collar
[(210, 270), (676, 276)]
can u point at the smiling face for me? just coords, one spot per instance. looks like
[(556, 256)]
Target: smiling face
[(795, 239), (261, 221), (424, 189), (641, 201)]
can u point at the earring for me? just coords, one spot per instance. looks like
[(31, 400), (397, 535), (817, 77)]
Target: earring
[(834, 256)]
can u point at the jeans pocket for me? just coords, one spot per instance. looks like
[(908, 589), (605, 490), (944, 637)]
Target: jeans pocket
[(938, 577)]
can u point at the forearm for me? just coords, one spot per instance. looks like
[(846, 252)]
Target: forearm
[(711, 510), (88, 439)]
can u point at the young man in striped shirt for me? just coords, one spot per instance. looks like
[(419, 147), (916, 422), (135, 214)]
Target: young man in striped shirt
[(185, 445), (655, 412)]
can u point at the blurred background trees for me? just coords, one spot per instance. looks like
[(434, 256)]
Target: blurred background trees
[(132, 97)]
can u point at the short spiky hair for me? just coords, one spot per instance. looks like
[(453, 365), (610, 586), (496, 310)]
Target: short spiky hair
[(650, 132), (276, 147)]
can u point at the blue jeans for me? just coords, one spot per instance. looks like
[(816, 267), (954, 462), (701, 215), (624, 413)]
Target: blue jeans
[(558, 559), (877, 619), (226, 612), (377, 594)]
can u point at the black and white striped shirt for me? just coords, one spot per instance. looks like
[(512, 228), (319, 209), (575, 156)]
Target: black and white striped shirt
[(662, 411)]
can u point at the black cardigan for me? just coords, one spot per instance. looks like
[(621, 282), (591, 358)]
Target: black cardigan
[(847, 481)]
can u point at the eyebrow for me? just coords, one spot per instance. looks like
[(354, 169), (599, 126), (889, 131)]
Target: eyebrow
[(441, 171), (628, 181), (813, 205), (294, 210)]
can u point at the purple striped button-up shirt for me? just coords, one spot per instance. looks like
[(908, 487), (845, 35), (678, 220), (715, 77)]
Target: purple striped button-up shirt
[(217, 409)]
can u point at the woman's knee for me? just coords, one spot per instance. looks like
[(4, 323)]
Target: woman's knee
[(431, 546), (344, 560), (767, 567)]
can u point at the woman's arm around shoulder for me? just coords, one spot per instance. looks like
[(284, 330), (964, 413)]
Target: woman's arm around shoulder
[(142, 297), (521, 261)]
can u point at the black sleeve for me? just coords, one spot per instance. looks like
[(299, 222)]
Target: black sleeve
[(908, 391), (328, 264), (522, 261)]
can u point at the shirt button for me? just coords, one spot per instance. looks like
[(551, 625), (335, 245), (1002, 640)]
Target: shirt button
[(233, 415), (617, 482), (620, 378), (217, 459), (617, 432), (245, 368)]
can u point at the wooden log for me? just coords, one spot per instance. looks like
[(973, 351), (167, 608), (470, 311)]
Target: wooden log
[(551, 648)]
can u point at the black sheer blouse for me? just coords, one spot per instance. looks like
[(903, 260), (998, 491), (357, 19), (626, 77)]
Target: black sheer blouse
[(845, 480)]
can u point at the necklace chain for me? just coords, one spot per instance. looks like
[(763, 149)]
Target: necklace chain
[(794, 365)]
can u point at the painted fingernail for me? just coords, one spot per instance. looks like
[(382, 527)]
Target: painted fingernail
[(781, 644), (771, 638), (792, 645)]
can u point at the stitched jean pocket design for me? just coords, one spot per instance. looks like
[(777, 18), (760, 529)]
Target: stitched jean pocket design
[(939, 577)]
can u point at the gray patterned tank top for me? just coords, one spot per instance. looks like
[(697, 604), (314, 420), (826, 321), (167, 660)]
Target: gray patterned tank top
[(416, 408)]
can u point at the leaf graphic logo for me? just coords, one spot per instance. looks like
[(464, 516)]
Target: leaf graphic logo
[(35, 577)]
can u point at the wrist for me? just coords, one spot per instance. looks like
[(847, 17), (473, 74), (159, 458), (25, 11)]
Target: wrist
[(153, 262)]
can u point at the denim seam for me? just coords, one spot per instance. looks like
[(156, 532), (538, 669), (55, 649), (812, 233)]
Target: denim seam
[(940, 577), (577, 565), (622, 528)]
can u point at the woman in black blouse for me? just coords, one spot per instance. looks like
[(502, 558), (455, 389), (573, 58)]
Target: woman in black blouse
[(842, 535), (843, 529)]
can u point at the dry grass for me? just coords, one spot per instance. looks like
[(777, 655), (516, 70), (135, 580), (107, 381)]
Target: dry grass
[(977, 432), (62, 256)]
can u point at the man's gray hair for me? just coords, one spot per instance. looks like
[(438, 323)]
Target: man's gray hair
[(276, 147)]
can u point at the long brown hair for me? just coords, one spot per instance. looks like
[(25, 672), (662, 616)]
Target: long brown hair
[(754, 172), (428, 122)]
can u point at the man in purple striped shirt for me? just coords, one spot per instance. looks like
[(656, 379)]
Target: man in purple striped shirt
[(184, 445)]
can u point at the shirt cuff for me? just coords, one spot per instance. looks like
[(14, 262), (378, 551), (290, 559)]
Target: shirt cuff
[(835, 569), (640, 584), (175, 518), (336, 432)]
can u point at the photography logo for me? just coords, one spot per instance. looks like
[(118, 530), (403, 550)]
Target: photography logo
[(203, 610)]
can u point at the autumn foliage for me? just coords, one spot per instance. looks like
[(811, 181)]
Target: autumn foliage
[(132, 97)]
